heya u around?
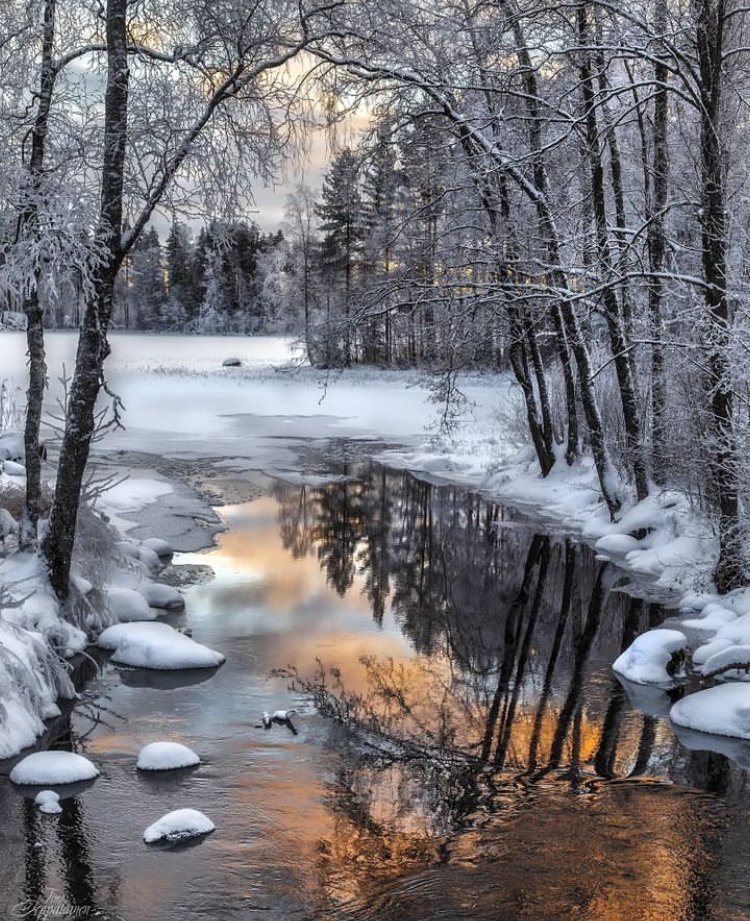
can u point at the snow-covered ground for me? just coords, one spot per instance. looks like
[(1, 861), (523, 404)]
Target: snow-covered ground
[(181, 401)]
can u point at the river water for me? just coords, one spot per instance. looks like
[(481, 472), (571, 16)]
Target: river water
[(489, 764)]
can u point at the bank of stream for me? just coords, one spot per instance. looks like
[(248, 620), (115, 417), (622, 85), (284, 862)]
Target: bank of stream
[(505, 773)]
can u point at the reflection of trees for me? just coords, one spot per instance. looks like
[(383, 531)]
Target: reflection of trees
[(510, 690), (66, 833)]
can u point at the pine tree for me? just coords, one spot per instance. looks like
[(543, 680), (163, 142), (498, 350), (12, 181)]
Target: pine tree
[(341, 215)]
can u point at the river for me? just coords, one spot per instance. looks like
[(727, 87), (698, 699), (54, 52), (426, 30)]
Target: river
[(461, 748)]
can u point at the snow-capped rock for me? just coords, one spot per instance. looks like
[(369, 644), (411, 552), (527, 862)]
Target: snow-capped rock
[(53, 768), (158, 595), (723, 710), (160, 547), (166, 756), (156, 645), (127, 605), (655, 657), (179, 825), (48, 801)]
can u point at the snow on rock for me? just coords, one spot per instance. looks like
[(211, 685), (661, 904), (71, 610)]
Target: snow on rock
[(48, 801), (156, 645), (126, 605), (652, 658), (733, 658), (734, 633), (178, 826), (616, 544), (140, 554), (12, 446), (723, 711), (232, 362), (8, 524), (53, 768), (158, 595), (160, 547), (166, 756), (13, 468)]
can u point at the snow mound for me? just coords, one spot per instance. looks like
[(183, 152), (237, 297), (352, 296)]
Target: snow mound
[(160, 547), (723, 711), (734, 633), (8, 524), (650, 657), (166, 756), (158, 595), (141, 554), (13, 468), (48, 801), (12, 447), (53, 768), (178, 826), (736, 657), (156, 646), (616, 544), (126, 605)]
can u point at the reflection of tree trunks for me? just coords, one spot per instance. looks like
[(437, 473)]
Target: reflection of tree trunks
[(511, 635), (35, 879), (645, 746), (582, 650), (567, 594), (606, 752), (79, 886), (506, 723)]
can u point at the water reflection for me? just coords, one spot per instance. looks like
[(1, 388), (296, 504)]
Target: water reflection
[(507, 706)]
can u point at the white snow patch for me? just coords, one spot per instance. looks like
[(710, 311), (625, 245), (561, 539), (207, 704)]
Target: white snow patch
[(156, 645), (645, 660), (48, 801), (13, 468), (179, 825), (12, 446), (53, 768), (166, 756), (723, 710), (160, 547), (731, 655), (126, 605), (158, 595)]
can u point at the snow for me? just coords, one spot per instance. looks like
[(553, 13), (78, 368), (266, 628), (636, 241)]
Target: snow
[(13, 468), (126, 605), (8, 524), (53, 768), (158, 595), (166, 756), (48, 801), (731, 655), (179, 825), (723, 710), (645, 660), (11, 444), (156, 645), (160, 547)]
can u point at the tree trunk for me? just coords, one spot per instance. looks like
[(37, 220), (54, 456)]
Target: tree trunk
[(93, 347), (722, 457), (617, 336), (657, 245), (32, 307)]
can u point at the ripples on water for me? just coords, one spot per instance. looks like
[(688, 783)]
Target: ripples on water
[(496, 769)]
